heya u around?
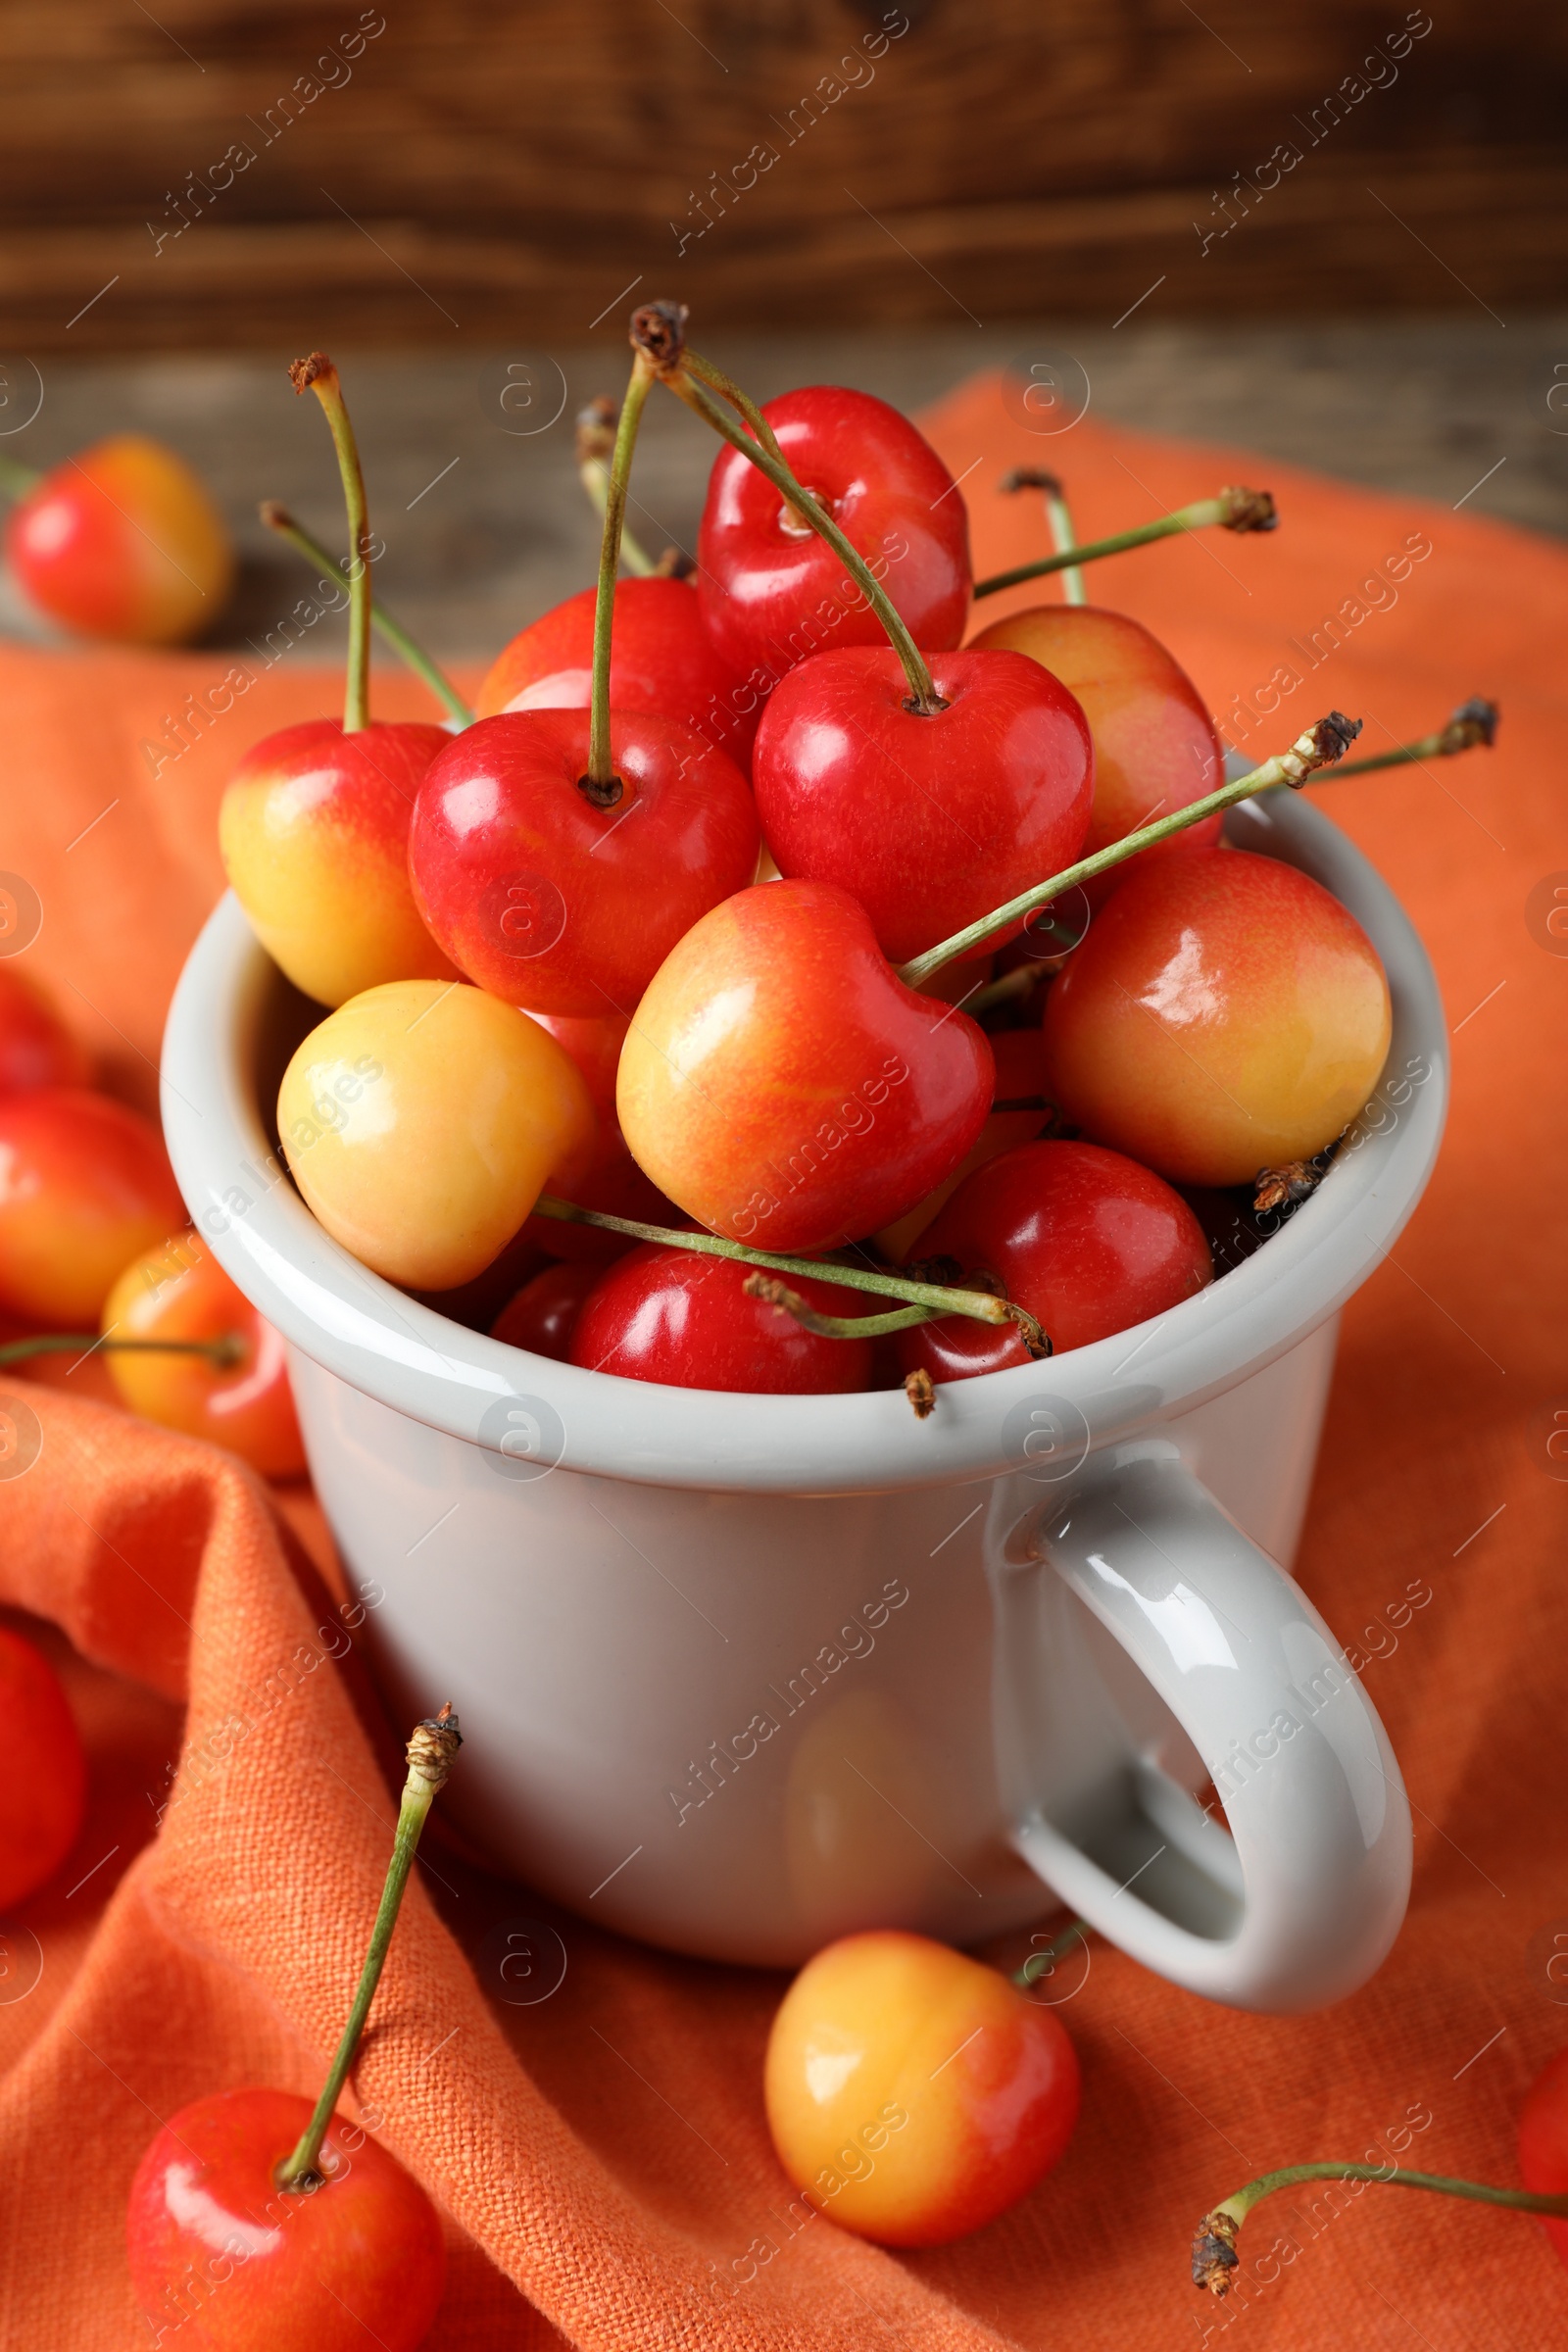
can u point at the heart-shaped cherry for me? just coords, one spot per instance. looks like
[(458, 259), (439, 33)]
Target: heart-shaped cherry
[(930, 817), (1090, 1241), (783, 1086), (664, 660), (772, 593), (314, 826)]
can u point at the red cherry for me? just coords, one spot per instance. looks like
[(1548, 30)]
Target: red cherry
[(84, 1186), (1224, 1015), (554, 903), (36, 1049), (313, 830), (1020, 1059), (784, 1087), (44, 1809), (122, 541), (1156, 746), (544, 1313), (773, 592), (672, 1316), (593, 1044), (664, 660), (1544, 2142), (1086, 1241), (222, 2256), (930, 821)]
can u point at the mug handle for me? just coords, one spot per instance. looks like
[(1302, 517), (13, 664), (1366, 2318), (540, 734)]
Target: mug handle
[(1300, 1902)]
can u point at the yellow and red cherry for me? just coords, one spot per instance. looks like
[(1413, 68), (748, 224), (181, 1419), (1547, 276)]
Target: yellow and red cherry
[(1225, 1014), (314, 829), (36, 1047), (85, 1186), (664, 660), (912, 2093), (220, 2253), (1155, 745), (1020, 1058), (562, 895), (1086, 1240), (673, 1316), (784, 1087), (48, 1797), (122, 541), (422, 1120), (771, 592), (180, 1292), (544, 1313), (932, 819)]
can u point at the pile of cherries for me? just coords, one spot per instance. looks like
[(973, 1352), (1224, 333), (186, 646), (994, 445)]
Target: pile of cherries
[(703, 953)]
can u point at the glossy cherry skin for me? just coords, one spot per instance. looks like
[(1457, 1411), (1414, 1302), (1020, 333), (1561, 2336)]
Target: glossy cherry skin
[(180, 1292), (122, 541), (1020, 1059), (783, 1086), (422, 1120), (223, 2261), (544, 1313), (557, 905), (313, 830), (661, 660), (48, 1797), (1224, 1015), (773, 592), (1156, 746), (1089, 1242), (36, 1049), (930, 822), (84, 1186), (913, 2095), (670, 1316), (1544, 2142)]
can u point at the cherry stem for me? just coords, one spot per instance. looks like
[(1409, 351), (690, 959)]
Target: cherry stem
[(1322, 743), (601, 784), (318, 376), (982, 1306), (776, 1293), (596, 442), (1474, 722), (1040, 1963), (1234, 510), (279, 519), (1063, 538), (16, 478), (224, 1351), (431, 1752), (1214, 2254), (688, 375)]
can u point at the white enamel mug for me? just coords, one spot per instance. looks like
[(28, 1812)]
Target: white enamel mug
[(740, 1674)]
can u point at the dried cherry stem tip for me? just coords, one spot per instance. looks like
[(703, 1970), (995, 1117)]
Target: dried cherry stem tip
[(1214, 2255), (658, 332), (1474, 724), (1235, 510), (278, 517), (318, 376), (430, 1753), (1323, 741)]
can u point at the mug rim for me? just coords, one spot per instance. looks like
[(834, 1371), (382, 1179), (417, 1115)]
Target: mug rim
[(1039, 1419)]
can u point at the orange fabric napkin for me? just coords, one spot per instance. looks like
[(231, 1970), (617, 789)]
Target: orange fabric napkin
[(604, 2151)]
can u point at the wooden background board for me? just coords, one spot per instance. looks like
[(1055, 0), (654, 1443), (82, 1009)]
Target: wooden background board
[(472, 171)]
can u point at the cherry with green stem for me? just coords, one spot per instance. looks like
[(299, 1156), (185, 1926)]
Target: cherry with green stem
[(1234, 509), (595, 447), (1063, 535), (279, 519), (1317, 746), (1214, 2255)]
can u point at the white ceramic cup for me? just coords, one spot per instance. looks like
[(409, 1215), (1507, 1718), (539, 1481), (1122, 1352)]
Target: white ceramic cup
[(739, 1673)]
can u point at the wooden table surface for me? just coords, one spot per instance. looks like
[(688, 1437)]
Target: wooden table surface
[(486, 525)]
